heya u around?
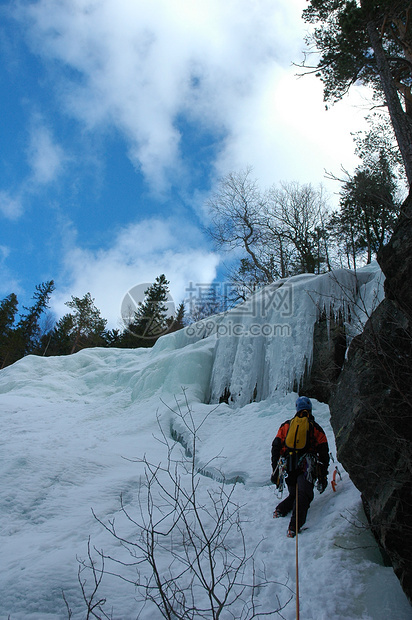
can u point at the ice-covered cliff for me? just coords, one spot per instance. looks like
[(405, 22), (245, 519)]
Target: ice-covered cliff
[(73, 429), (265, 344)]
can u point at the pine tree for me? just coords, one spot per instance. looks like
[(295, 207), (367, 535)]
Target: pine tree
[(151, 317), (88, 326), (113, 338), (177, 321), (368, 210), (22, 339), (60, 340), (8, 311), (368, 42), (28, 331)]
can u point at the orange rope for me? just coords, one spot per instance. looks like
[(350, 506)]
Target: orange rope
[(297, 556)]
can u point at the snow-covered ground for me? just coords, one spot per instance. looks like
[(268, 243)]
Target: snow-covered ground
[(72, 429)]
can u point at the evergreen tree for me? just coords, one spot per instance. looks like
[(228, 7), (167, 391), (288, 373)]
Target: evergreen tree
[(377, 138), (344, 230), (8, 311), (60, 340), (28, 331), (178, 320), (113, 338), (88, 326), (19, 340), (368, 210), (369, 42), (151, 317)]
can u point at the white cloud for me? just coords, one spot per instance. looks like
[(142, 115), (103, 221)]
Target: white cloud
[(10, 207), (8, 283), (140, 67), (225, 66), (290, 135), (138, 254), (45, 157)]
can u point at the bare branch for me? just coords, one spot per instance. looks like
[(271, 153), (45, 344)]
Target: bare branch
[(198, 531)]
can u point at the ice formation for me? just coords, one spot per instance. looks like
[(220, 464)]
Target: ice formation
[(265, 344), (73, 427)]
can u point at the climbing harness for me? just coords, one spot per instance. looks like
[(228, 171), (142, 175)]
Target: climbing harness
[(309, 464)]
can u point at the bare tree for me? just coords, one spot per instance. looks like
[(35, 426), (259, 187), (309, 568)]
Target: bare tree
[(210, 569), (282, 231), (237, 213), (295, 218)]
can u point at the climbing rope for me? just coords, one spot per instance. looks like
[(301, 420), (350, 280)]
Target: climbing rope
[(297, 555)]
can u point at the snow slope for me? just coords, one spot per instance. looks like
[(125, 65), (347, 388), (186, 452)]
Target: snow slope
[(72, 428)]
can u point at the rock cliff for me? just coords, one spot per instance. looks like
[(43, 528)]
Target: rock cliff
[(328, 356), (371, 407)]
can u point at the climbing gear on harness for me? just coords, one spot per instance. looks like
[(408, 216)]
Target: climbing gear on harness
[(279, 476), (313, 469), (308, 464)]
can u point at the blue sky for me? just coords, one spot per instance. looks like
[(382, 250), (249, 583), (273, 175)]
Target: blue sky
[(118, 119)]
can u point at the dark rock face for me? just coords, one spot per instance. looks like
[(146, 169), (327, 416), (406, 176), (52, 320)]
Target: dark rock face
[(395, 260), (329, 347), (371, 407)]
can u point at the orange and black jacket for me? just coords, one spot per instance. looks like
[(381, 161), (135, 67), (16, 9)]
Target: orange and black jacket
[(317, 444)]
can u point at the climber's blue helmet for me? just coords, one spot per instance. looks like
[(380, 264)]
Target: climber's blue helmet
[(303, 403)]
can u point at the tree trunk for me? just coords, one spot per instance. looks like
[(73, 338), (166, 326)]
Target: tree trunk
[(400, 122), (255, 260)]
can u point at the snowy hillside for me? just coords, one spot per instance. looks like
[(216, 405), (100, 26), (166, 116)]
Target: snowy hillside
[(72, 429)]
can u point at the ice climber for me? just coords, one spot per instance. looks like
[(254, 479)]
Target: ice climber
[(301, 450)]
